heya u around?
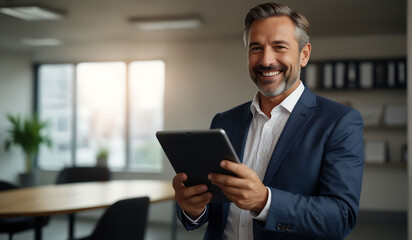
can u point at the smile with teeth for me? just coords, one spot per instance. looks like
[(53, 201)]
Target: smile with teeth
[(270, 74)]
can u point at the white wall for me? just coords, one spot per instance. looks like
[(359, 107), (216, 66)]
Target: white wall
[(15, 97), (359, 47)]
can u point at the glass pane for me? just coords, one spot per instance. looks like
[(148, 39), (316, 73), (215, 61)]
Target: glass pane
[(101, 111), (146, 116), (55, 104)]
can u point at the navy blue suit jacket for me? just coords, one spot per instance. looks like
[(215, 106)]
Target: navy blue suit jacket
[(315, 172)]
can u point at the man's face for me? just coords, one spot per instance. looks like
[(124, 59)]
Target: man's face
[(273, 55)]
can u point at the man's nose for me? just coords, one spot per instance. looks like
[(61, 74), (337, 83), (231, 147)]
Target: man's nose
[(268, 58)]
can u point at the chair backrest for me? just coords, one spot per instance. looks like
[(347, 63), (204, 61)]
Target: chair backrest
[(83, 174), (6, 186), (125, 220)]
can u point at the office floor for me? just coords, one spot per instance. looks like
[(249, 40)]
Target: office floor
[(377, 226)]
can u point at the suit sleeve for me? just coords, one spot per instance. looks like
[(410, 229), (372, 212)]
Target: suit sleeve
[(332, 212), (186, 223)]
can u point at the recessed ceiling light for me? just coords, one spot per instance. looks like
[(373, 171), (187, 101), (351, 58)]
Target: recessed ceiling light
[(152, 24), (40, 42), (32, 13)]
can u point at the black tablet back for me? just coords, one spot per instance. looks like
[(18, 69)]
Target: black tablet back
[(198, 153)]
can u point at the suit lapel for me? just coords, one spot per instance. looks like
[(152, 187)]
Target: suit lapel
[(240, 133), (303, 111)]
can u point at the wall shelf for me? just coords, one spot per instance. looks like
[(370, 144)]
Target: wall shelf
[(383, 127), (386, 164)]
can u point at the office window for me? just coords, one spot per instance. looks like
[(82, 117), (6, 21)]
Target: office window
[(113, 110), (55, 85), (101, 112), (146, 81)]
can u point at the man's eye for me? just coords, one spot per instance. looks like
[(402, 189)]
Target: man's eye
[(254, 49), (280, 47)]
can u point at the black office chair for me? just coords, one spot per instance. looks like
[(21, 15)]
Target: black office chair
[(83, 174), (77, 175), (17, 224), (125, 220)]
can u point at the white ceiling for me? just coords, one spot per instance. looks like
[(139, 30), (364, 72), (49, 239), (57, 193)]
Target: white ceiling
[(107, 20)]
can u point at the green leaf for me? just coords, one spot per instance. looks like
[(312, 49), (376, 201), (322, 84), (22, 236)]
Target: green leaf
[(28, 134)]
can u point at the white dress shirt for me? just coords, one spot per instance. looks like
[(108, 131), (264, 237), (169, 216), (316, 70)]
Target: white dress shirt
[(262, 137)]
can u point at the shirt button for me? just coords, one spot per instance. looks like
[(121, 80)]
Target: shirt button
[(268, 124), (243, 225)]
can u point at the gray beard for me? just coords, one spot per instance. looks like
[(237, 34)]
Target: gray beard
[(283, 87), (279, 90)]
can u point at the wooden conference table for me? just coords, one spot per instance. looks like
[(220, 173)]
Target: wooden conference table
[(70, 198)]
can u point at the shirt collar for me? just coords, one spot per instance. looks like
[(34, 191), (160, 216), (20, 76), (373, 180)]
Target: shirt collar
[(288, 103)]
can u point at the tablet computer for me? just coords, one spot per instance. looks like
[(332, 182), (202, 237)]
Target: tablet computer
[(198, 153)]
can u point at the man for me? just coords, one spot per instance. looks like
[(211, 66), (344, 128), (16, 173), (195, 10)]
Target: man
[(302, 154)]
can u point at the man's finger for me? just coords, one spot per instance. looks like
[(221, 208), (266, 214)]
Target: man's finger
[(178, 180), (201, 199), (239, 169), (189, 192), (223, 180)]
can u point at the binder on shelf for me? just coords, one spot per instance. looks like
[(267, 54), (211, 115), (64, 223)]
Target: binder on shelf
[(391, 74), (327, 81), (311, 76), (339, 79), (401, 73), (405, 153), (380, 75), (366, 74), (352, 80)]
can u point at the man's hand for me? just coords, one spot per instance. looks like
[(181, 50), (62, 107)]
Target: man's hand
[(193, 199), (246, 190)]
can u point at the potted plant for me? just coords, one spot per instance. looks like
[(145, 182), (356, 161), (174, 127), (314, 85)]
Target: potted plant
[(101, 157), (29, 135)]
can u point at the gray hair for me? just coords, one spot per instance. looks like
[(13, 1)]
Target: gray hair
[(266, 10)]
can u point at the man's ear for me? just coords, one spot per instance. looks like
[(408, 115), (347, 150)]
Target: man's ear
[(305, 55)]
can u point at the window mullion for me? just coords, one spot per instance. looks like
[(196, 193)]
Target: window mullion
[(127, 120), (74, 117)]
